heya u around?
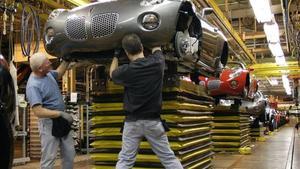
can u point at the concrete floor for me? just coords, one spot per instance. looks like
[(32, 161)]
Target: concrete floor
[(80, 162), (275, 153)]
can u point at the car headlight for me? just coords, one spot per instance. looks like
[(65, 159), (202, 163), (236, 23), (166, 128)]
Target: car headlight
[(150, 21), (55, 13), (234, 84)]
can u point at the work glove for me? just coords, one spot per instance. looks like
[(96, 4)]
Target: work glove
[(66, 116), (71, 65), (156, 48), (117, 53)]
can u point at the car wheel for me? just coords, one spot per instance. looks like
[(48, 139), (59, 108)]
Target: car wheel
[(7, 91), (186, 47), (6, 142), (7, 106), (237, 102), (217, 101)]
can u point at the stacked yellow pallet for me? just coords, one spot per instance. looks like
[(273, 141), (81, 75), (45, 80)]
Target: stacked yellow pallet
[(186, 110), (257, 132), (34, 138), (231, 129)]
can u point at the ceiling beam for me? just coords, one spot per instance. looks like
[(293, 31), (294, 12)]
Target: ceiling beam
[(53, 4), (78, 2), (272, 69), (272, 60), (276, 73), (269, 65), (241, 13), (265, 50), (257, 35), (274, 93), (294, 76)]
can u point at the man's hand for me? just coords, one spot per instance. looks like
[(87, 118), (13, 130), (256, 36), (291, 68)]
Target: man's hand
[(71, 65), (66, 116), (156, 48), (62, 68)]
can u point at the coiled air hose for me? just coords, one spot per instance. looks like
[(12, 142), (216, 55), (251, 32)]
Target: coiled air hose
[(30, 31)]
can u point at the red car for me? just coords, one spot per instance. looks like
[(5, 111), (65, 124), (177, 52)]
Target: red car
[(234, 83)]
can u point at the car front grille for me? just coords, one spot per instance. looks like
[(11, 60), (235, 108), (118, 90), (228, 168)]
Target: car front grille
[(75, 28), (104, 24)]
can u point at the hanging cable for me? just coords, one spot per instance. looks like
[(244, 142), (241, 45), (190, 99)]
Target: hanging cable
[(4, 18), (29, 32), (11, 34)]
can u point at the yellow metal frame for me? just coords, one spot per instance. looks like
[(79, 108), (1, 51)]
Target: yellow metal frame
[(53, 4), (78, 2), (272, 69)]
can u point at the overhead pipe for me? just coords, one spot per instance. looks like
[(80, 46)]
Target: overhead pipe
[(285, 13)]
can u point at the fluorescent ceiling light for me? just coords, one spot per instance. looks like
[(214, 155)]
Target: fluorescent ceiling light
[(272, 32), (288, 91), (261, 10), (273, 82), (285, 81), (276, 49), (286, 84), (280, 60)]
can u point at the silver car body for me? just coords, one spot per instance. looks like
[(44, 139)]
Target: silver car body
[(96, 29), (257, 106)]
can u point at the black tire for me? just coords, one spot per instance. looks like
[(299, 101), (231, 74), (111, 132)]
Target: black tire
[(237, 102), (7, 107), (6, 142), (217, 101)]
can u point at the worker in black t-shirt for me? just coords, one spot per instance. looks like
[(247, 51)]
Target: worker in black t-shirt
[(142, 79)]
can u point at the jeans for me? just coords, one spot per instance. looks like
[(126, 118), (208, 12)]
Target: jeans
[(155, 134), (50, 144)]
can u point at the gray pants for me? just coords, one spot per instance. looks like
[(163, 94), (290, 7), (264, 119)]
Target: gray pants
[(155, 134), (50, 144)]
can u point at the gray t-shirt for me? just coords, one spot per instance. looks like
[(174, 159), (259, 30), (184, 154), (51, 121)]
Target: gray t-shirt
[(45, 91)]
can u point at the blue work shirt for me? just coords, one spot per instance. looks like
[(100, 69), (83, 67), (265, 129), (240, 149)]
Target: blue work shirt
[(45, 91)]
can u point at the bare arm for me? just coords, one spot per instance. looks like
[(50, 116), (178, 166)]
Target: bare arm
[(62, 69), (113, 66), (42, 112)]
